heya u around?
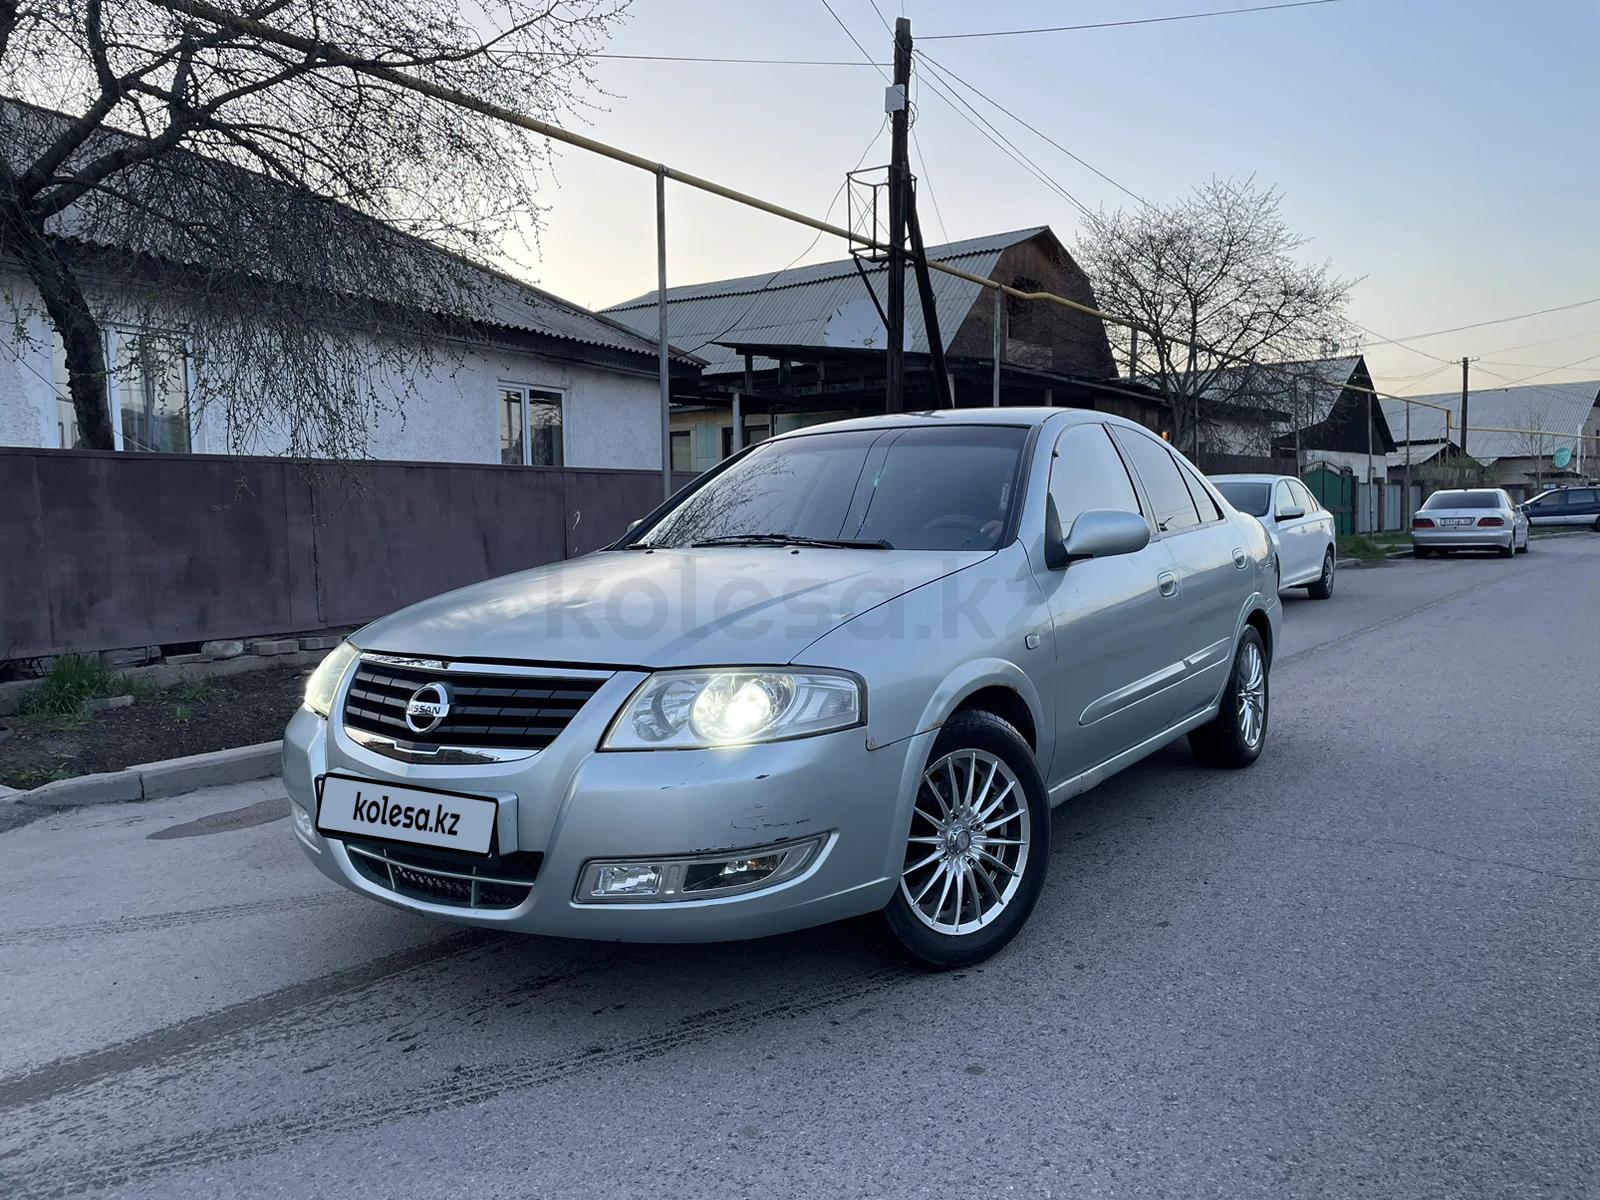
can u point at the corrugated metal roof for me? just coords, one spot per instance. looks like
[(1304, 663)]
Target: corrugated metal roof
[(824, 304), (246, 215), (1559, 409)]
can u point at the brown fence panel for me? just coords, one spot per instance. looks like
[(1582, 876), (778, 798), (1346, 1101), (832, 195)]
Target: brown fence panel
[(145, 549), (99, 551), (388, 534), (600, 505), (24, 587)]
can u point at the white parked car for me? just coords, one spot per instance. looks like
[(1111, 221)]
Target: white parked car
[(1302, 531)]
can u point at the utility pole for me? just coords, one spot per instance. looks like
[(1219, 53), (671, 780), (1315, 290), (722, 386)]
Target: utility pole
[(663, 351), (1405, 506), (1377, 506), (897, 104), (1464, 361)]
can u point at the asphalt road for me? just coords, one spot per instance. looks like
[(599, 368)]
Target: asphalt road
[(1369, 965)]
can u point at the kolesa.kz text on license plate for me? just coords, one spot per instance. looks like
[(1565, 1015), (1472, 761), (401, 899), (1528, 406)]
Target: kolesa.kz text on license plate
[(394, 813)]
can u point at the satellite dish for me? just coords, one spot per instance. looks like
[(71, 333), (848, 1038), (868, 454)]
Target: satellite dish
[(1562, 458), (856, 325)]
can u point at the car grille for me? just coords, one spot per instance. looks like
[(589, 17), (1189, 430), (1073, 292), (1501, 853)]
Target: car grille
[(439, 877), (491, 710)]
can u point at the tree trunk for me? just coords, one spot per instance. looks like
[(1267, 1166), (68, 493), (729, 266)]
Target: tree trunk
[(69, 312)]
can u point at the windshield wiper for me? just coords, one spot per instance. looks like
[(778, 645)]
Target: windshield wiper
[(790, 539)]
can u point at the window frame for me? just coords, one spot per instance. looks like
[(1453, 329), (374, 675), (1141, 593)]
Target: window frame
[(528, 389), (726, 434), (687, 436), (1120, 434), (1305, 495), (1139, 499)]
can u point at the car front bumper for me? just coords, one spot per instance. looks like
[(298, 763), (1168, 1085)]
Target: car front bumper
[(1469, 538), (574, 804)]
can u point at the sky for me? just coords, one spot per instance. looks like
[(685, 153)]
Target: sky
[(1441, 152)]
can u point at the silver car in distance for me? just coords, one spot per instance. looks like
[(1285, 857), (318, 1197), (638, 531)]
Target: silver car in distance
[(1469, 519), (848, 672)]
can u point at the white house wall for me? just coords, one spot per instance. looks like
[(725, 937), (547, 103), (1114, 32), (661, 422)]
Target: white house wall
[(609, 418)]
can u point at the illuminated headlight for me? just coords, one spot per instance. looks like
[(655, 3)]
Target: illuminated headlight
[(685, 710), (324, 681)]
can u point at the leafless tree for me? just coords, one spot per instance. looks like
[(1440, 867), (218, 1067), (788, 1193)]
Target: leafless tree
[(1215, 282), (1536, 441), (266, 205)]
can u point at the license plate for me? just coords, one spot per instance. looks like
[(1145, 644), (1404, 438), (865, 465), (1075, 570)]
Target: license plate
[(1456, 521), (395, 813)]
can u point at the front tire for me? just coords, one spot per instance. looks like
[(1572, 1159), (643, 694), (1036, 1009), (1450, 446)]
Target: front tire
[(1235, 736), (978, 847), (1323, 587)]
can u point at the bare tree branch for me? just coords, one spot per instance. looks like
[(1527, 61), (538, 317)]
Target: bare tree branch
[(142, 136)]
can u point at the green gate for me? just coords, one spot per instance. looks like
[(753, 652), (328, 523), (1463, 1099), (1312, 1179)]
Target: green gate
[(1335, 488)]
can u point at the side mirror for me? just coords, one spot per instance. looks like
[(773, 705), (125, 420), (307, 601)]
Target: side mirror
[(1097, 533), (1289, 514)]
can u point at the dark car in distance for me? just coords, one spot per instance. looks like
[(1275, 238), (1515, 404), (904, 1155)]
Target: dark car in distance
[(1575, 506)]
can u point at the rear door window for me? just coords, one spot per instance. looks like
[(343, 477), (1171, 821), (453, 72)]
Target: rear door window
[(1174, 508), (1584, 497)]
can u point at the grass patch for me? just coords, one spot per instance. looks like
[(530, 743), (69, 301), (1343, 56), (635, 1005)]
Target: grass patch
[(27, 778), (1355, 545), (196, 691), (74, 679)]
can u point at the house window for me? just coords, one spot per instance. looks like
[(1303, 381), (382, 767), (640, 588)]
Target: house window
[(682, 450), (151, 384), (752, 435), (530, 426)]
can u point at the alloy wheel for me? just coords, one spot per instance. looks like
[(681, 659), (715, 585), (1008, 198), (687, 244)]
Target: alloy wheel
[(969, 842), (1252, 694)]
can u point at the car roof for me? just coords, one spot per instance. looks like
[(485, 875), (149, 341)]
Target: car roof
[(1249, 478), (1019, 417)]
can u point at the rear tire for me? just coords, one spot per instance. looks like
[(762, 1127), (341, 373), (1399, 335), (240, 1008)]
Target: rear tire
[(1235, 736), (1511, 550), (978, 847), (1323, 587)]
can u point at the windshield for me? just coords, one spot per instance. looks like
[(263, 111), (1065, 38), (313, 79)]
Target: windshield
[(1252, 498), (948, 488), (1462, 500)]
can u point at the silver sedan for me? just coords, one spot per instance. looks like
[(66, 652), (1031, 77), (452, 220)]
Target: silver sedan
[(848, 672), (1469, 519)]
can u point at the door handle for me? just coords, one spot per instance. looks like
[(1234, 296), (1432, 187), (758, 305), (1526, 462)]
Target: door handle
[(1167, 582), (1240, 559)]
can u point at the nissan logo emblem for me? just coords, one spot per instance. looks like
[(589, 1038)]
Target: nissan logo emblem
[(428, 707)]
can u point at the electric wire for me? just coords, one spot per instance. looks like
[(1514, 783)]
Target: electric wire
[(1086, 165), (1193, 16)]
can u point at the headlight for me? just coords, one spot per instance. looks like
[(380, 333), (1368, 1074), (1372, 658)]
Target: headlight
[(324, 681), (686, 710)]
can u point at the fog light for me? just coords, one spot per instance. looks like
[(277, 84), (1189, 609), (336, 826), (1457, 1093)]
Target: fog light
[(305, 827), (733, 873), (627, 879)]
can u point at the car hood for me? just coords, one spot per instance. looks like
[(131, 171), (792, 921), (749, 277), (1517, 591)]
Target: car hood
[(662, 608)]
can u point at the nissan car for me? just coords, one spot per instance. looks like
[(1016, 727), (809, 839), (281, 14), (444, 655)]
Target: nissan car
[(846, 674)]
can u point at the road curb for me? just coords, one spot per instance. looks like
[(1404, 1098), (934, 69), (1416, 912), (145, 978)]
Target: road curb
[(159, 780)]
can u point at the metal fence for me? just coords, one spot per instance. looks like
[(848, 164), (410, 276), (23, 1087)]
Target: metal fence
[(100, 551)]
